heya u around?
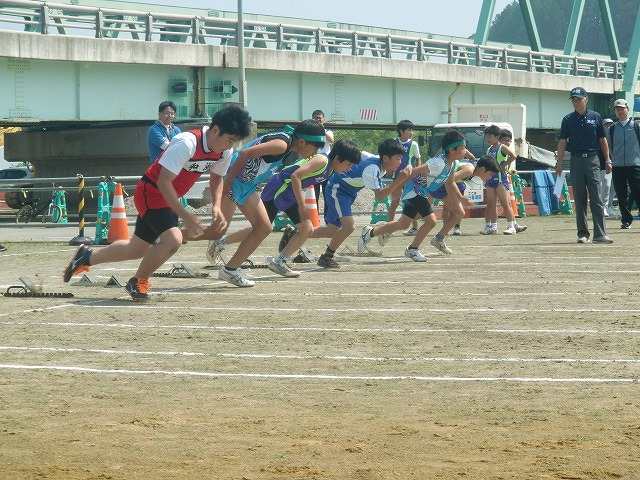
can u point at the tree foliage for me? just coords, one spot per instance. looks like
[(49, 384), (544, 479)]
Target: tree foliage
[(552, 18)]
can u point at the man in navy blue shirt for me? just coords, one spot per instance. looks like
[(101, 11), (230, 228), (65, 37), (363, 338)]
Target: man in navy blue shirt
[(583, 134)]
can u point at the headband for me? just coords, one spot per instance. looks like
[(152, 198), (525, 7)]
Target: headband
[(309, 138), (455, 145)]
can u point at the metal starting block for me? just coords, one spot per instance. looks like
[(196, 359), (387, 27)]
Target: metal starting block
[(91, 281), (180, 271), (30, 289), (347, 250)]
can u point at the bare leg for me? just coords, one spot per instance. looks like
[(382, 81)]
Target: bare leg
[(254, 211)]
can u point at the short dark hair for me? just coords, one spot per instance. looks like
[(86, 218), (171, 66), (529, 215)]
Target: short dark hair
[(347, 150), (492, 130), (232, 120), (312, 128), (317, 112), (505, 132), (390, 147), (489, 163), (167, 103), (404, 125), (449, 138)]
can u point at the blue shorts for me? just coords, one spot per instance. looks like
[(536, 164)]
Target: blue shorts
[(441, 192), (498, 179), (240, 191), (338, 205)]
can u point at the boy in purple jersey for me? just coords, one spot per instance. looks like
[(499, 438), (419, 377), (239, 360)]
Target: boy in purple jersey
[(342, 190), (285, 192)]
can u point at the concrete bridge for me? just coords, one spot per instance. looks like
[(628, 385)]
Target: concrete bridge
[(93, 65)]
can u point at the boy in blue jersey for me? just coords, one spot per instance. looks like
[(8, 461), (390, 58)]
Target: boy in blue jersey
[(436, 178), (342, 190), (411, 157)]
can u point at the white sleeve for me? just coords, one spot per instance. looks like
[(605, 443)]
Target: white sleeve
[(222, 166), (372, 177), (179, 152)]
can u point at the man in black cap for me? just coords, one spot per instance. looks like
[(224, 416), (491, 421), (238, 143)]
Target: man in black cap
[(583, 134)]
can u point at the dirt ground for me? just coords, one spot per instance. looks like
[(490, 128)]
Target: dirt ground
[(514, 358)]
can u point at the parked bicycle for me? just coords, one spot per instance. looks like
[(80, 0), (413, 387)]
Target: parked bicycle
[(55, 211)]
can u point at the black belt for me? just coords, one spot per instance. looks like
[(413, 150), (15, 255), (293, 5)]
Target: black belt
[(584, 155)]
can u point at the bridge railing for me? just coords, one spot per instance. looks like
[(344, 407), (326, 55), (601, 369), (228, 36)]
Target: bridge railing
[(50, 19)]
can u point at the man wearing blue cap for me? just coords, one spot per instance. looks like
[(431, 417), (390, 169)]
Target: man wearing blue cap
[(582, 134)]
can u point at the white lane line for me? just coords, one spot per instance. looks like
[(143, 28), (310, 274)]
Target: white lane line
[(362, 309), (552, 331), (286, 376), (296, 294), (100, 350), (348, 358)]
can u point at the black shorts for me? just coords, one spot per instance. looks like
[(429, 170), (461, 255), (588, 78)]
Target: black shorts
[(417, 205), (155, 222), (292, 212)]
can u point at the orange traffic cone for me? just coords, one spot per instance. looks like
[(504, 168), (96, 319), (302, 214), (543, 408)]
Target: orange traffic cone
[(512, 197), (312, 206), (118, 228)]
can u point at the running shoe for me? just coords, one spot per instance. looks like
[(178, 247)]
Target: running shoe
[(365, 238), (411, 232), (383, 239), (79, 263), (138, 288), (234, 278), (415, 255), (456, 231), (327, 262), (603, 239), (520, 228), (214, 250), (489, 231), (281, 268), (440, 245), (510, 231)]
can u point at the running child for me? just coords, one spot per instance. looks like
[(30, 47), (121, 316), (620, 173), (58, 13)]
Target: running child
[(436, 178), (411, 157), (285, 192), (157, 237), (342, 190), (497, 188), (250, 167)]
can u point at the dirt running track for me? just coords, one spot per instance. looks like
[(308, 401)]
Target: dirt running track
[(514, 358)]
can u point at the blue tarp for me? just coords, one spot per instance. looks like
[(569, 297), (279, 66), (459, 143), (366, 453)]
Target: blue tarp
[(542, 185)]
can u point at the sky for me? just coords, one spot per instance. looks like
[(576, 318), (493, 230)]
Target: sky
[(445, 17)]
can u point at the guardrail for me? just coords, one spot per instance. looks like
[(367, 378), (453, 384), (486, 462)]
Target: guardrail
[(57, 19)]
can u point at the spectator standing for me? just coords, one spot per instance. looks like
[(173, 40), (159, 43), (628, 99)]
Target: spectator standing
[(582, 134), (606, 187), (318, 116), (625, 154), (163, 130)]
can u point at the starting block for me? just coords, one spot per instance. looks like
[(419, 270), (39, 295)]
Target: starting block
[(181, 271), (30, 289)]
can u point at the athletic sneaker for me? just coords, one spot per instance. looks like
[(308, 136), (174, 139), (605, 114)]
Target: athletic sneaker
[(456, 231), (583, 240), (415, 255), (365, 238), (289, 232), (79, 263), (327, 262), (440, 245), (411, 232), (603, 239), (383, 239), (520, 228), (214, 250), (489, 231), (138, 288), (234, 278), (510, 231), (281, 268)]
